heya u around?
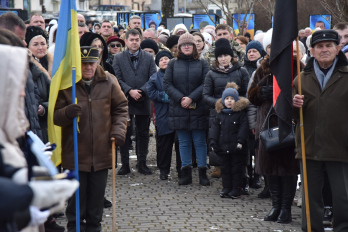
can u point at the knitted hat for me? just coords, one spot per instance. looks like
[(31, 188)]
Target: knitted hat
[(149, 43), (116, 30), (267, 39), (210, 30), (172, 40), (223, 46), (165, 32), (179, 27), (207, 37), (33, 31), (186, 38), (231, 90), (161, 54), (114, 38), (163, 23), (254, 45)]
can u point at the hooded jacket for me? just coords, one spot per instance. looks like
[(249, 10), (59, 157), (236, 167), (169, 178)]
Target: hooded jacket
[(229, 129), (324, 114), (13, 121), (104, 114)]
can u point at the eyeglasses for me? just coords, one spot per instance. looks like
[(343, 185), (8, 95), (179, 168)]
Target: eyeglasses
[(187, 45), (115, 45)]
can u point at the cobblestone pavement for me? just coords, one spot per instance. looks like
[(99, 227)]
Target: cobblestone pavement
[(146, 203)]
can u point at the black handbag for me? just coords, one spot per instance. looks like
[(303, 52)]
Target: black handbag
[(270, 136), (214, 159)]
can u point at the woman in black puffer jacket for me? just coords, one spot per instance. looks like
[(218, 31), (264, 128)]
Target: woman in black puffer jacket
[(188, 115)]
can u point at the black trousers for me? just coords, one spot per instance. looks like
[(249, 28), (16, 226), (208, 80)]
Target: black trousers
[(338, 177), (232, 167), (142, 123), (165, 151), (92, 190)]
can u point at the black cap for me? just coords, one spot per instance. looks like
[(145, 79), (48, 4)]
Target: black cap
[(172, 40), (325, 35), (33, 31), (223, 47), (161, 54), (89, 54), (149, 43)]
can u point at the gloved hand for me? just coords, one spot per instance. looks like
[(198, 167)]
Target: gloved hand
[(239, 146), (21, 176), (267, 92), (48, 193), (165, 98), (37, 217), (214, 147), (72, 111)]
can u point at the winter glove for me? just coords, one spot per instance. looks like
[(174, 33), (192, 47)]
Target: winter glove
[(165, 98), (72, 111), (214, 147), (239, 146), (21, 176), (37, 217), (267, 92), (49, 193)]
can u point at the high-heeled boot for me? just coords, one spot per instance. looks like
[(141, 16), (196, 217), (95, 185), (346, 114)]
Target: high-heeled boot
[(288, 194), (275, 188)]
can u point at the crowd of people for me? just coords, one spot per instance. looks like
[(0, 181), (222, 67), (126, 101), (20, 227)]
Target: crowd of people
[(207, 91)]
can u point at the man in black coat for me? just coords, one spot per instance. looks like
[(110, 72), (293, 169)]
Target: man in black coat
[(133, 68)]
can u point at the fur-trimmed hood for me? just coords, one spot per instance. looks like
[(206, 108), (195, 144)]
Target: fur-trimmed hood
[(239, 105), (42, 69)]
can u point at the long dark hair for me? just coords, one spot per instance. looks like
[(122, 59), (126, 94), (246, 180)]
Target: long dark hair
[(195, 53)]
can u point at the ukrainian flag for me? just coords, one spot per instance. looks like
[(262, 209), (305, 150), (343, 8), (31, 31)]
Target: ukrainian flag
[(66, 57)]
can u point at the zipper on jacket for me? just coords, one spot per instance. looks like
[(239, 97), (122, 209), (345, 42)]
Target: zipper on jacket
[(91, 121)]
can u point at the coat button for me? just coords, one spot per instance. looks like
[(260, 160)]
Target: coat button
[(228, 152)]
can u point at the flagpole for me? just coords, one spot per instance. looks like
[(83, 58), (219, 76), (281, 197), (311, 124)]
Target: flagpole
[(76, 158), (304, 165)]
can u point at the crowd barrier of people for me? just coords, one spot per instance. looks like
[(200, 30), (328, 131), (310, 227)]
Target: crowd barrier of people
[(206, 91)]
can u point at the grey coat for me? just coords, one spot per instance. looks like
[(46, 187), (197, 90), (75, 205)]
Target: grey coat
[(131, 78)]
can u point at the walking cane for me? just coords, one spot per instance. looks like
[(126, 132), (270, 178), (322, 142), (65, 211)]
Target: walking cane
[(304, 166), (113, 186)]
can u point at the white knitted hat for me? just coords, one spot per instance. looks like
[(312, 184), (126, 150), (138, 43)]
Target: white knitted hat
[(267, 39)]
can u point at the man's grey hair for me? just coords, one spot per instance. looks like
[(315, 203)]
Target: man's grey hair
[(308, 28), (134, 17), (154, 31), (302, 30)]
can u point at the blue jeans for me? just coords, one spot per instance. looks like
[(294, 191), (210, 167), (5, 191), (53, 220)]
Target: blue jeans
[(185, 146)]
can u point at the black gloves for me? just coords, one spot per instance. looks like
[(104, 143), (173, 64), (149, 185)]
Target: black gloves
[(267, 92), (72, 111)]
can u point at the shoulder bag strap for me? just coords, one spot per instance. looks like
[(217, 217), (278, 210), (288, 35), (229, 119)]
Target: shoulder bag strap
[(266, 119)]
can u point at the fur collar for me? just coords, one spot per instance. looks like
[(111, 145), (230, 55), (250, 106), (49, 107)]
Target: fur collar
[(42, 69), (240, 105)]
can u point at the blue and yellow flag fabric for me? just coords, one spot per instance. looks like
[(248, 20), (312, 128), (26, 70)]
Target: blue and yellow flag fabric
[(66, 57)]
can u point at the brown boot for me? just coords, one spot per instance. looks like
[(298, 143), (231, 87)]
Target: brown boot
[(216, 173)]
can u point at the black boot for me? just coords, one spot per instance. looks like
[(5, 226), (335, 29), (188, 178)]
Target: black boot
[(245, 188), (265, 192), (203, 179), (256, 182), (235, 193), (186, 175), (288, 193), (226, 177), (124, 170), (275, 188), (107, 203), (143, 168)]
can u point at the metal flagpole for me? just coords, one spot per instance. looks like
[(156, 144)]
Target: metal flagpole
[(76, 158), (304, 165)]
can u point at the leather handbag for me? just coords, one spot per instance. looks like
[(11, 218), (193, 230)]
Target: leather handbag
[(270, 137), (214, 159)]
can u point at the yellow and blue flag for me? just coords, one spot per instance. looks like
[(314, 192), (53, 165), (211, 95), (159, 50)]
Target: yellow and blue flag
[(66, 57)]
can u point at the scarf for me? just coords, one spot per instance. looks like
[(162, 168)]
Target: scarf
[(227, 111), (134, 58), (322, 78), (186, 57), (224, 69)]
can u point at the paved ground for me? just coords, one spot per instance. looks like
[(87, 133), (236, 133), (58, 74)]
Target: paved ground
[(146, 203)]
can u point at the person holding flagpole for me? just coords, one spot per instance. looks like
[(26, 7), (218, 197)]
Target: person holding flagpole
[(324, 88), (102, 109)]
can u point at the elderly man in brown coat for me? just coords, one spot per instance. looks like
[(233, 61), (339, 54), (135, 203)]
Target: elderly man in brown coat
[(324, 83), (102, 109)]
